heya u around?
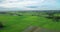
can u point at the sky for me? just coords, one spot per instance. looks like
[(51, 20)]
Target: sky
[(29, 5)]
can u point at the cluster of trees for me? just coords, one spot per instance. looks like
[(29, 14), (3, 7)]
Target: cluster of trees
[(51, 15), (3, 12)]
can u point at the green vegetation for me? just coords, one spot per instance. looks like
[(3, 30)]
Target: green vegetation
[(19, 23)]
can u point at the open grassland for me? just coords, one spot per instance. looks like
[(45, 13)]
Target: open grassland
[(19, 23)]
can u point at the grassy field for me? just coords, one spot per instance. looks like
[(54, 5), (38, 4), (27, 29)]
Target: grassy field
[(19, 23)]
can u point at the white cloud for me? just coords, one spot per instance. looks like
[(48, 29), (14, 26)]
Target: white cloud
[(22, 4), (16, 3)]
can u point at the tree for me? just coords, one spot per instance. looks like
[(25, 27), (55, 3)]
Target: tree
[(1, 25)]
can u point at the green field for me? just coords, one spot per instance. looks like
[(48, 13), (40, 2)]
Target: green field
[(19, 23)]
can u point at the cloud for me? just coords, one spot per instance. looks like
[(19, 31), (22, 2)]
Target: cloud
[(32, 6), (28, 4), (16, 3)]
